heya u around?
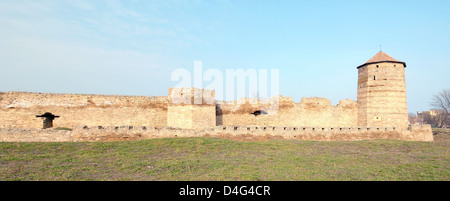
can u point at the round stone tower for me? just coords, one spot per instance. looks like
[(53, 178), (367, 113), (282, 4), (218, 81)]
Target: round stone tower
[(382, 92)]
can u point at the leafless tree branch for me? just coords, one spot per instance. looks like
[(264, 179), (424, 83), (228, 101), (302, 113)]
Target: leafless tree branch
[(441, 101)]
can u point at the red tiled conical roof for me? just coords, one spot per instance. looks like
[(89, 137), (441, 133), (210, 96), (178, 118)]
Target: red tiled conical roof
[(381, 57)]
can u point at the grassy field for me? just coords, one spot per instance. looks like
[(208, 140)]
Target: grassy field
[(221, 159)]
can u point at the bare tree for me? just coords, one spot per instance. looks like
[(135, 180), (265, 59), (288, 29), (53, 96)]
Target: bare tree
[(441, 101), (433, 119), (412, 118)]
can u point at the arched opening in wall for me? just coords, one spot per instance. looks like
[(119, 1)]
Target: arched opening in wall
[(259, 112), (219, 116), (47, 119)]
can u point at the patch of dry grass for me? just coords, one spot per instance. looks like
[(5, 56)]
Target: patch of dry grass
[(223, 159)]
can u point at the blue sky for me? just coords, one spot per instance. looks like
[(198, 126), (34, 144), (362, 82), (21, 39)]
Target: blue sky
[(132, 47)]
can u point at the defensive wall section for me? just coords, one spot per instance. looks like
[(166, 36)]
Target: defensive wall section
[(380, 112), (120, 133), (19, 110), (95, 118), (311, 112)]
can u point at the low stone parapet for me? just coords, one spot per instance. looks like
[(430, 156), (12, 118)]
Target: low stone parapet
[(115, 133)]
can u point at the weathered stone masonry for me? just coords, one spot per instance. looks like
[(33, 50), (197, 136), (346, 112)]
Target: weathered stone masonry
[(382, 92), (115, 133), (379, 113)]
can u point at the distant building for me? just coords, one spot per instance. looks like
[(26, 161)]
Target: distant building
[(433, 117)]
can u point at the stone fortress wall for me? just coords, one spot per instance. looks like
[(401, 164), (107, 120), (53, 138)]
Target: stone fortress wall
[(310, 112), (120, 133), (18, 110), (109, 118), (379, 113)]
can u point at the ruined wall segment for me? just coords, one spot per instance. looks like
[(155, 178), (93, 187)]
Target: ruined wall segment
[(382, 92), (13, 100), (379, 113), (19, 110), (311, 112)]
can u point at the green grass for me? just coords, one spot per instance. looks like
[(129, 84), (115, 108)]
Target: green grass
[(221, 159)]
